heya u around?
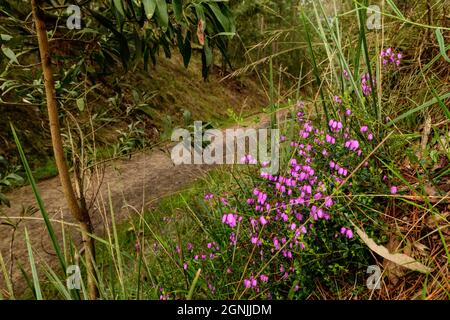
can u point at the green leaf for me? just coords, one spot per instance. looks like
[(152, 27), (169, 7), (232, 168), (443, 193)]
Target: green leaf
[(119, 6), (34, 273), (207, 58), (208, 54), (200, 12), (178, 9), (187, 50), (442, 47), (227, 12), (162, 13), (4, 200), (124, 48), (5, 37), (80, 104), (149, 7), (396, 10), (441, 103), (223, 20), (40, 202), (193, 285), (9, 54), (15, 177)]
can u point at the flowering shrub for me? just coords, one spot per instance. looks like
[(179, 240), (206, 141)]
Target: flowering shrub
[(278, 233)]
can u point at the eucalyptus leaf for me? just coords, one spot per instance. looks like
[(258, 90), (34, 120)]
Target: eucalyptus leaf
[(162, 13), (149, 7), (81, 104), (5, 37), (178, 9), (9, 54), (119, 6)]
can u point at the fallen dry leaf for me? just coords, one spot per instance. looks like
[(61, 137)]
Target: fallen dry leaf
[(398, 258)]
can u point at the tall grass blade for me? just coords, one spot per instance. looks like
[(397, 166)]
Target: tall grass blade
[(34, 273), (442, 47), (419, 108), (193, 285), (40, 202)]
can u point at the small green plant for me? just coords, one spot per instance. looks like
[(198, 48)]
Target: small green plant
[(8, 179), (234, 117), (129, 140)]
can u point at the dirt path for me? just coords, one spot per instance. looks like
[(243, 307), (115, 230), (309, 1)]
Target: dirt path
[(134, 184)]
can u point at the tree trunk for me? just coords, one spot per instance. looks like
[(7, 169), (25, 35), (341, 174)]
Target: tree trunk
[(80, 214)]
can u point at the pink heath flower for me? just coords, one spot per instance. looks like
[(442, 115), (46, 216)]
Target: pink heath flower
[(248, 159), (328, 202), (394, 190), (352, 145), (366, 85), (337, 99), (389, 56), (230, 219), (224, 201), (263, 220), (370, 137), (349, 234), (209, 196), (364, 129), (330, 139), (346, 74)]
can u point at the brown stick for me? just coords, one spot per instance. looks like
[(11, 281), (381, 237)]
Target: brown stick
[(82, 216)]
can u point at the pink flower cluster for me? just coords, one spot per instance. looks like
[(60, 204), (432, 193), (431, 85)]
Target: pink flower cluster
[(209, 196), (364, 130), (284, 214), (389, 56), (335, 125), (250, 283), (231, 219), (352, 145), (347, 232), (248, 159), (366, 86)]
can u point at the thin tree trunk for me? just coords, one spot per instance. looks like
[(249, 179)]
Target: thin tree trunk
[(80, 214)]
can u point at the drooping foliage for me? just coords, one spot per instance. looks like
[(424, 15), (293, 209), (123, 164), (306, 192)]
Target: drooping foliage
[(109, 33)]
